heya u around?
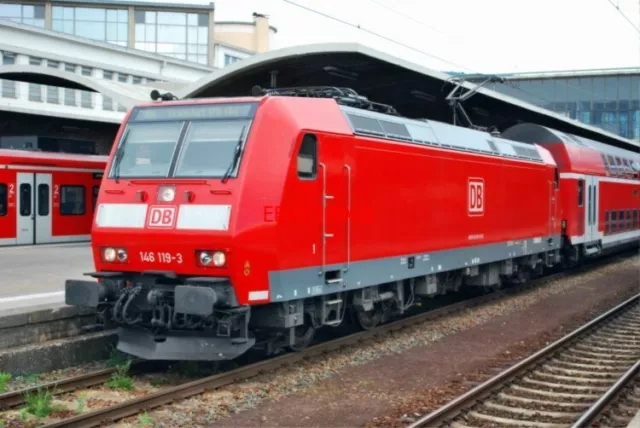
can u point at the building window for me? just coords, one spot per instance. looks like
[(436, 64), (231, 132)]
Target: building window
[(72, 200), (8, 86), (86, 71), (71, 68), (52, 95), (230, 59), (178, 35), (35, 61), (53, 64), (35, 92), (108, 75), (137, 80), (105, 25), (23, 13)]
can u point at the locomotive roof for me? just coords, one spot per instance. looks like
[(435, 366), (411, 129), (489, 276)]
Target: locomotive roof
[(36, 158), (415, 91), (438, 134)]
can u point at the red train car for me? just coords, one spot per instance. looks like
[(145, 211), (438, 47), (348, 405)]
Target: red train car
[(47, 197), (223, 223), (600, 189)]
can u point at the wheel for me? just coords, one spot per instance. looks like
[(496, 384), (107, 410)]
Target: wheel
[(303, 336), (368, 320)]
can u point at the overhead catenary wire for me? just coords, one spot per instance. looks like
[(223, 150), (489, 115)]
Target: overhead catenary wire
[(624, 16), (373, 33), (506, 82)]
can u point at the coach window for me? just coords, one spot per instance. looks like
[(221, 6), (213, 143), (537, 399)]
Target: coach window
[(629, 224), (614, 221), (621, 221), (72, 201), (607, 223), (3, 199), (635, 218), (308, 157), (43, 199), (25, 199), (580, 192)]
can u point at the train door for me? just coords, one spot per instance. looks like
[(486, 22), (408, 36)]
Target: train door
[(591, 210), (335, 183), (34, 208), (43, 209), (26, 224)]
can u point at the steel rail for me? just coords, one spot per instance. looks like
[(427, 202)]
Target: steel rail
[(483, 390), (590, 415), (17, 397), (134, 406)]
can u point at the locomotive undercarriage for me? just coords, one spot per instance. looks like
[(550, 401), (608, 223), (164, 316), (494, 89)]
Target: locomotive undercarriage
[(160, 316)]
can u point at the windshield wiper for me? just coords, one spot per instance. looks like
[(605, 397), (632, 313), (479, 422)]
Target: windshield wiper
[(236, 155), (118, 157)]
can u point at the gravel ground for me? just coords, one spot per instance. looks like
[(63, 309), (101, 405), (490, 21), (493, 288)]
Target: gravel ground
[(346, 387)]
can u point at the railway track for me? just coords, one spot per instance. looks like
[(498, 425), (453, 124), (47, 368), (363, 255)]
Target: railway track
[(168, 395), (567, 384)]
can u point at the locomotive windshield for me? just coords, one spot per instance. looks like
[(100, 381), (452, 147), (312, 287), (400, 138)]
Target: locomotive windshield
[(183, 141)]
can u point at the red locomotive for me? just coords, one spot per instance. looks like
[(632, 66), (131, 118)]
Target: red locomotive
[(47, 197), (223, 224)]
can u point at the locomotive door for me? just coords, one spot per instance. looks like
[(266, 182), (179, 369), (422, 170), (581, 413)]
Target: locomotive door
[(25, 198), (591, 210), (42, 210), (335, 182)]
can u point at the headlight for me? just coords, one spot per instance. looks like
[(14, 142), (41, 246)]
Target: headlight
[(219, 259), (109, 254), (211, 258), (166, 193), (122, 254), (205, 258)]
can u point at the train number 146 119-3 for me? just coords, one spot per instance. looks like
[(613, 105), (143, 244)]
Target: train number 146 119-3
[(160, 257)]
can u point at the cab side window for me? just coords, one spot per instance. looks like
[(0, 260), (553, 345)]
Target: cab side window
[(308, 157), (580, 192)]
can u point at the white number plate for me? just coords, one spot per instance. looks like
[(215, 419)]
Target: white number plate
[(160, 257)]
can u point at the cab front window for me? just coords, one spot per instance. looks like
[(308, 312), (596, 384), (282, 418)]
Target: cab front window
[(147, 150), (209, 148)]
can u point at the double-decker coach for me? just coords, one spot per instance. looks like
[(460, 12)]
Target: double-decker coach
[(599, 191), (47, 197)]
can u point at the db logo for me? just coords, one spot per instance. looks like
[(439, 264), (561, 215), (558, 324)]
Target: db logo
[(162, 217), (476, 196)]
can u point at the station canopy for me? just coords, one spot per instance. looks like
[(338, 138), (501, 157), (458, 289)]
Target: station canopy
[(413, 90)]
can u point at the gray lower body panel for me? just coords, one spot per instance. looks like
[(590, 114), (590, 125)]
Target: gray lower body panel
[(306, 282)]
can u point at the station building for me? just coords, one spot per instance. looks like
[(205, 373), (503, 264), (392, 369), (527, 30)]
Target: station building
[(606, 98), (70, 69)]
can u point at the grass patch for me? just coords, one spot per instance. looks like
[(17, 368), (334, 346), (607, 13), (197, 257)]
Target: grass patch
[(144, 420), (81, 403), (4, 381), (38, 404), (120, 379)]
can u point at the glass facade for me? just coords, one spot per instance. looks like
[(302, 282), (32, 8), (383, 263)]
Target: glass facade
[(105, 25), (179, 35), (610, 102), (23, 13)]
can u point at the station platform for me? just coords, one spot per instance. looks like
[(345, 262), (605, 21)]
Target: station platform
[(35, 275), (635, 422)]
